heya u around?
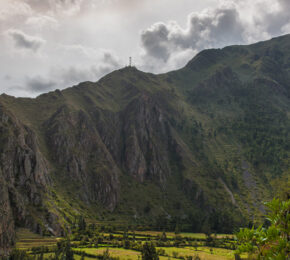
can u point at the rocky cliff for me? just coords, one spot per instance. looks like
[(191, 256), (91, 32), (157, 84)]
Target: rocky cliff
[(23, 174)]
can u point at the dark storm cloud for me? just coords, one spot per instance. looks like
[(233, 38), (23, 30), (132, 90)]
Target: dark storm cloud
[(72, 74), (39, 84), (285, 4), (7, 77), (275, 21), (111, 60), (75, 6), (24, 41), (54, 5), (156, 41), (214, 28), (210, 29)]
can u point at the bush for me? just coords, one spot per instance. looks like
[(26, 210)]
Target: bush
[(149, 252), (271, 242)]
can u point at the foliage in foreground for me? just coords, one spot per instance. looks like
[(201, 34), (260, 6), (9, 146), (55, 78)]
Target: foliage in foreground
[(272, 242), (149, 252)]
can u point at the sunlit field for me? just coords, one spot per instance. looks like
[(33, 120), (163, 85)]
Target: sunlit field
[(126, 245)]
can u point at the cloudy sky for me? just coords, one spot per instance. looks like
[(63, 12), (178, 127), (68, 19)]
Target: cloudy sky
[(49, 44)]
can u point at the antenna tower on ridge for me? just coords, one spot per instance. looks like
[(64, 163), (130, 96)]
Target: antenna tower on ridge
[(130, 61)]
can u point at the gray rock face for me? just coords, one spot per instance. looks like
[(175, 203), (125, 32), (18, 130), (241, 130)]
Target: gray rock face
[(7, 235), (23, 176), (93, 149), (146, 143), (77, 147), (138, 138), (90, 149)]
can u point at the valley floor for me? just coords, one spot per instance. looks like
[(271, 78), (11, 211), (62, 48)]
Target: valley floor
[(115, 245)]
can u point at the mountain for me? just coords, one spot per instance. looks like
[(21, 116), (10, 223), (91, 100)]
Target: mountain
[(199, 148)]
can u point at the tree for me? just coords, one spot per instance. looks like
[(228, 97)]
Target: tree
[(106, 255), (40, 256), (18, 255), (149, 252), (206, 228), (82, 223), (177, 229), (272, 242), (68, 252), (164, 237)]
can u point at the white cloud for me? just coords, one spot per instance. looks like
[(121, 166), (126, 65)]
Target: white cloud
[(105, 62), (80, 40), (66, 76), (285, 28), (229, 23), (69, 7), (40, 22), (211, 28), (14, 8)]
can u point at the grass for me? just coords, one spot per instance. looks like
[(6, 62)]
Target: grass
[(202, 252), (76, 257), (115, 252), (172, 252), (26, 239), (188, 235)]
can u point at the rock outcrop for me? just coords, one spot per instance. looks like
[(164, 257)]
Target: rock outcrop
[(76, 146), (23, 176)]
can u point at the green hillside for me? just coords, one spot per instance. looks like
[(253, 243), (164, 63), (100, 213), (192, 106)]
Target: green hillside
[(196, 149)]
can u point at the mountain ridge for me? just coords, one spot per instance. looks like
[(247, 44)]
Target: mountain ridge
[(198, 146)]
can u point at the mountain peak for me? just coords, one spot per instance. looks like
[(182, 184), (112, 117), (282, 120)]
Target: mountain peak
[(215, 130)]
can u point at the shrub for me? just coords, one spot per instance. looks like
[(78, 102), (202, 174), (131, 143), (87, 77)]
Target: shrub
[(271, 242)]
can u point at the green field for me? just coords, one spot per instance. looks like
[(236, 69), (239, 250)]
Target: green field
[(172, 253), (115, 252), (186, 235), (181, 246), (26, 240), (203, 252)]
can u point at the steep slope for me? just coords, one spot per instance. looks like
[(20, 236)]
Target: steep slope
[(23, 178), (199, 147)]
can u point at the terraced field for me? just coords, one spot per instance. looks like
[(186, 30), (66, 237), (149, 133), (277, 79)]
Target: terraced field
[(26, 240), (29, 241), (112, 245), (114, 252), (184, 235), (203, 252), (170, 253)]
